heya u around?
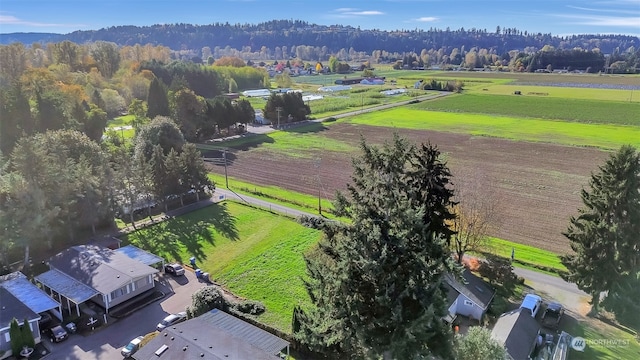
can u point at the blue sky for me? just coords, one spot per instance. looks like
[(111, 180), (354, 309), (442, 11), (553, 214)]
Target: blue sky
[(559, 17)]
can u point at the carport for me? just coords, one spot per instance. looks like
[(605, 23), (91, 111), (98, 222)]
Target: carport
[(54, 281), (140, 255), (33, 297)]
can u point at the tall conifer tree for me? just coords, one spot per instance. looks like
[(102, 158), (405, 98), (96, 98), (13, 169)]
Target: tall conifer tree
[(604, 235), (376, 282)]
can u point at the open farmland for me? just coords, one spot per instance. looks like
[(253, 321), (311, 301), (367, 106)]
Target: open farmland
[(578, 110), (537, 184), (514, 128)]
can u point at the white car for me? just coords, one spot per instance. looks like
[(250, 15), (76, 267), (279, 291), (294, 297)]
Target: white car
[(532, 302), (132, 347), (171, 320)]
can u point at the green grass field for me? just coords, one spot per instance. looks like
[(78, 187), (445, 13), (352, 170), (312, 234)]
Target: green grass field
[(253, 253), (604, 341), (628, 96), (300, 142), (513, 128), (525, 255), (578, 110)]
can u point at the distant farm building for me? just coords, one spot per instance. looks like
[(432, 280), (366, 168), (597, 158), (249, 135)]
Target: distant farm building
[(394, 92), (334, 88), (372, 81), (257, 93), (349, 81), (306, 98)]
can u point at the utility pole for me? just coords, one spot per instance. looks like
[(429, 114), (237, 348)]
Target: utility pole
[(279, 109), (226, 179), (319, 185)]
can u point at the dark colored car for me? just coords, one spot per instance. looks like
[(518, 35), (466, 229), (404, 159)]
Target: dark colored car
[(56, 333), (174, 269), (552, 315), (45, 320)]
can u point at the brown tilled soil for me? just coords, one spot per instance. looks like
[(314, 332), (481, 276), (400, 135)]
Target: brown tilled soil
[(537, 185)]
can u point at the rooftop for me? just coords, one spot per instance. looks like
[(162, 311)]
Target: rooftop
[(101, 268), (26, 292)]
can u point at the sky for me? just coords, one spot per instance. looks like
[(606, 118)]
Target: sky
[(558, 17)]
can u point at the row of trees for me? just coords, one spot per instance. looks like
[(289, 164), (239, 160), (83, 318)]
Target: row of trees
[(197, 117), (433, 84), (57, 184), (288, 35), (285, 108)]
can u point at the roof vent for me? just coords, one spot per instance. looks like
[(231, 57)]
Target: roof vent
[(160, 350), (194, 339), (165, 334), (172, 338), (184, 348), (201, 354)]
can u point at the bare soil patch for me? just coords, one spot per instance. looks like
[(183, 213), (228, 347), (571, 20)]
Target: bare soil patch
[(537, 185)]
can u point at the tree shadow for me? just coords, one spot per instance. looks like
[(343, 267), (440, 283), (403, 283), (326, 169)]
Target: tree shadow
[(246, 142), (311, 127), (189, 232)]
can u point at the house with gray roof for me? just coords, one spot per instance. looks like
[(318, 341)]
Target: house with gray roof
[(91, 272), (470, 297), (215, 335), (21, 299), (517, 331)]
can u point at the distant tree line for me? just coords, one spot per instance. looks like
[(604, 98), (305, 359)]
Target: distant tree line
[(432, 84), (265, 37)]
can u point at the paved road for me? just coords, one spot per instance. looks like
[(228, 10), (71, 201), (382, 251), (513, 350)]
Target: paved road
[(229, 194), (105, 344), (556, 289)]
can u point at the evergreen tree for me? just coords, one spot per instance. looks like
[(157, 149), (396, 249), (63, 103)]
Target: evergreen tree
[(16, 337), (604, 235), (376, 282), (157, 100), (27, 335)]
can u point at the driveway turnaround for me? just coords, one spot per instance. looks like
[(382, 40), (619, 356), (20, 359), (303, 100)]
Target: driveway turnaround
[(106, 343)]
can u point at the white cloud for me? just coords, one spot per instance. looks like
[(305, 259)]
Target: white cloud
[(12, 20), (616, 11), (426, 19), (351, 12), (617, 21)]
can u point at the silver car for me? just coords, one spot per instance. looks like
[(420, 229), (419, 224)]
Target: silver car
[(172, 320)]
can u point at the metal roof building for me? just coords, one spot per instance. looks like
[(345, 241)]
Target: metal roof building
[(140, 255), (66, 286), (215, 335), (29, 294)]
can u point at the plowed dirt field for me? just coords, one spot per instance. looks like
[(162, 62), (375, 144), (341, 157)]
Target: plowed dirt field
[(537, 185)]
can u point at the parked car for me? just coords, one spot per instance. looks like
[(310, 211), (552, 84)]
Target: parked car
[(45, 320), (552, 315), (532, 302), (131, 347), (172, 320), (56, 333), (175, 269)]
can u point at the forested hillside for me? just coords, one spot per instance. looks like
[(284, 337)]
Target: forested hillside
[(289, 35)]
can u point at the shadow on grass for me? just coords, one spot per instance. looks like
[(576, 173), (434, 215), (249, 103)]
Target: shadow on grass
[(190, 232), (313, 127), (246, 142)]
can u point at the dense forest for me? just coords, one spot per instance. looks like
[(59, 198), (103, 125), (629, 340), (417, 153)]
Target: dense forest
[(288, 35)]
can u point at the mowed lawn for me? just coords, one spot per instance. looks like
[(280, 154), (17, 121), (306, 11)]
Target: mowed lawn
[(253, 253), (507, 127), (578, 110)]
